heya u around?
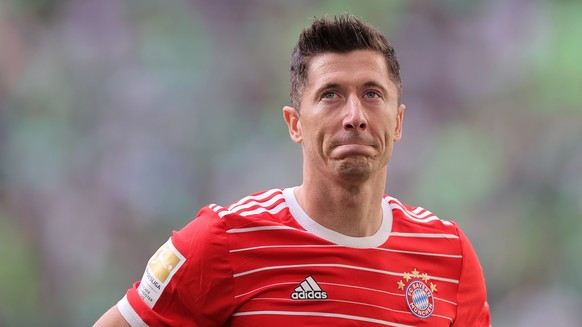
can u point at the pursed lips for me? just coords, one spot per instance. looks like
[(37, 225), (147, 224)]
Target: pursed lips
[(352, 145), (353, 148), (352, 142)]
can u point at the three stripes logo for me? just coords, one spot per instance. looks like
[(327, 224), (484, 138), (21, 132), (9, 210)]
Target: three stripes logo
[(308, 290)]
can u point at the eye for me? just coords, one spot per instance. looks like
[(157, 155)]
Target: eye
[(372, 94), (328, 95)]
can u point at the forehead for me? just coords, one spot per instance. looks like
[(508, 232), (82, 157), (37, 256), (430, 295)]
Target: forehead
[(352, 68)]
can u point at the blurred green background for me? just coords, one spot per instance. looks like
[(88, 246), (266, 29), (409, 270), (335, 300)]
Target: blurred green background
[(120, 119)]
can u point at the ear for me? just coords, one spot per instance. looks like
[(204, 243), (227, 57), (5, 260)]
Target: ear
[(399, 119), (291, 116)]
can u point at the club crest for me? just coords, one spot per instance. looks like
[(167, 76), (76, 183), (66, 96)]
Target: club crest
[(418, 293)]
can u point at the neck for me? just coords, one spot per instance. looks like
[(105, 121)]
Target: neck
[(352, 208)]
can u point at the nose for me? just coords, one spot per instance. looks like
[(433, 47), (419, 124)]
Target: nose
[(355, 118)]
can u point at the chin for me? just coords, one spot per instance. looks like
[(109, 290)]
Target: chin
[(355, 168)]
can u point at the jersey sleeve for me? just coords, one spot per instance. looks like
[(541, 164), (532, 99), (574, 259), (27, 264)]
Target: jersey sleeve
[(187, 282), (472, 306)]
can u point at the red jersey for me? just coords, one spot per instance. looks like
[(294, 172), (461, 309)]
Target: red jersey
[(263, 261)]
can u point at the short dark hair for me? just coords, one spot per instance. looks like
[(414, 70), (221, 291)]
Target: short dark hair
[(340, 35)]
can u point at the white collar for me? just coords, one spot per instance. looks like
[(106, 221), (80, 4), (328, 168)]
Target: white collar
[(372, 241)]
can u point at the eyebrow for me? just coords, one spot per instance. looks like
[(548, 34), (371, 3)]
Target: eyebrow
[(324, 87), (331, 85), (377, 85), (327, 86)]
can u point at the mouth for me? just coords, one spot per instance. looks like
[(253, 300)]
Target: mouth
[(349, 145), (352, 149), (354, 142)]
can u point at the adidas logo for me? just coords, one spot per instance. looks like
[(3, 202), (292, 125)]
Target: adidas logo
[(308, 290)]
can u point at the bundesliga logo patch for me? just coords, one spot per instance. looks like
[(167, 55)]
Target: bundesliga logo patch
[(159, 271), (418, 294)]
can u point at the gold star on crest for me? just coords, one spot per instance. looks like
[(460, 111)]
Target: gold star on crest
[(415, 273), (425, 277), (400, 285)]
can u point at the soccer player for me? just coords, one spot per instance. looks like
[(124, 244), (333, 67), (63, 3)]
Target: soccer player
[(335, 250)]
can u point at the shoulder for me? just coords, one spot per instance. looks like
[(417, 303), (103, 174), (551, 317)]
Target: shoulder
[(407, 218), (214, 221), (420, 228), (269, 201), (264, 207)]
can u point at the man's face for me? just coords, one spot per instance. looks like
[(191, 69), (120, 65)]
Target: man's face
[(349, 117)]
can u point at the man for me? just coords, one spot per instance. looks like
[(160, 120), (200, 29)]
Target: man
[(335, 250)]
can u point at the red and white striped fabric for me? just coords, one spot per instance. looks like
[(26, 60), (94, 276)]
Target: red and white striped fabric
[(262, 261)]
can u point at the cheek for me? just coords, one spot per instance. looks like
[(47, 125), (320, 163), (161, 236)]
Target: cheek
[(388, 133), (317, 141)]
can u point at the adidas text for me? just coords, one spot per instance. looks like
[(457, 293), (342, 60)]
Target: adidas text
[(319, 295)]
